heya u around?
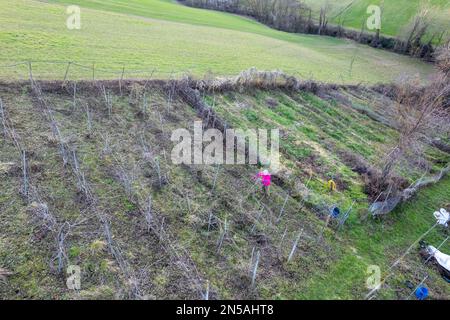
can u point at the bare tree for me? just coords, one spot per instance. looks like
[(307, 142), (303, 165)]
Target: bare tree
[(323, 17), (421, 115), (410, 38)]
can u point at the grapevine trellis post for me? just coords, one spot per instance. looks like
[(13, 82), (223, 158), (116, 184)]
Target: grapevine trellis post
[(67, 72)]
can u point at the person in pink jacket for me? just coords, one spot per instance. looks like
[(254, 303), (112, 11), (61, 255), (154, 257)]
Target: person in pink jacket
[(265, 180)]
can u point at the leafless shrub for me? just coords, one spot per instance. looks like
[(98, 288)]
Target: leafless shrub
[(421, 116), (63, 149), (136, 93), (38, 209), (154, 161), (108, 100), (148, 213), (82, 183), (88, 120), (70, 157), (264, 80), (213, 222), (106, 150), (118, 256), (426, 28), (157, 167), (42, 216), (223, 235), (171, 93), (8, 129), (323, 17), (248, 80), (127, 181), (156, 224), (356, 163), (47, 223), (61, 255), (415, 31)]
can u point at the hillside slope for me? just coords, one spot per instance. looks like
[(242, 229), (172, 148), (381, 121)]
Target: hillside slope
[(102, 193)]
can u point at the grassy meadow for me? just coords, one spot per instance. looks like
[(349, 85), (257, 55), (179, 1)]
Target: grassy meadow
[(161, 37), (396, 15)]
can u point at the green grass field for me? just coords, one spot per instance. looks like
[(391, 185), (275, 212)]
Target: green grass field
[(396, 13), (162, 35)]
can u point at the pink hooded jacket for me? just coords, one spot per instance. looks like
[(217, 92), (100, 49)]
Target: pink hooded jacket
[(265, 178)]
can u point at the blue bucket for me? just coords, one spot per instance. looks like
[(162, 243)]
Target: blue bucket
[(335, 212), (421, 293)]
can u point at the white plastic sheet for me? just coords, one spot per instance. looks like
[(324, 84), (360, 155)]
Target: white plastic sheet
[(442, 217), (441, 258)]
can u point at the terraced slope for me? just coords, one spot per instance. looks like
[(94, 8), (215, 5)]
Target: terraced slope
[(102, 193)]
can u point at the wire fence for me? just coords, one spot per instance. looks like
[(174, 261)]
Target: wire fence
[(71, 70), (75, 70)]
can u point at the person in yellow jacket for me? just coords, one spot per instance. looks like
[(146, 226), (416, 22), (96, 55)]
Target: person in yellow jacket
[(331, 185)]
